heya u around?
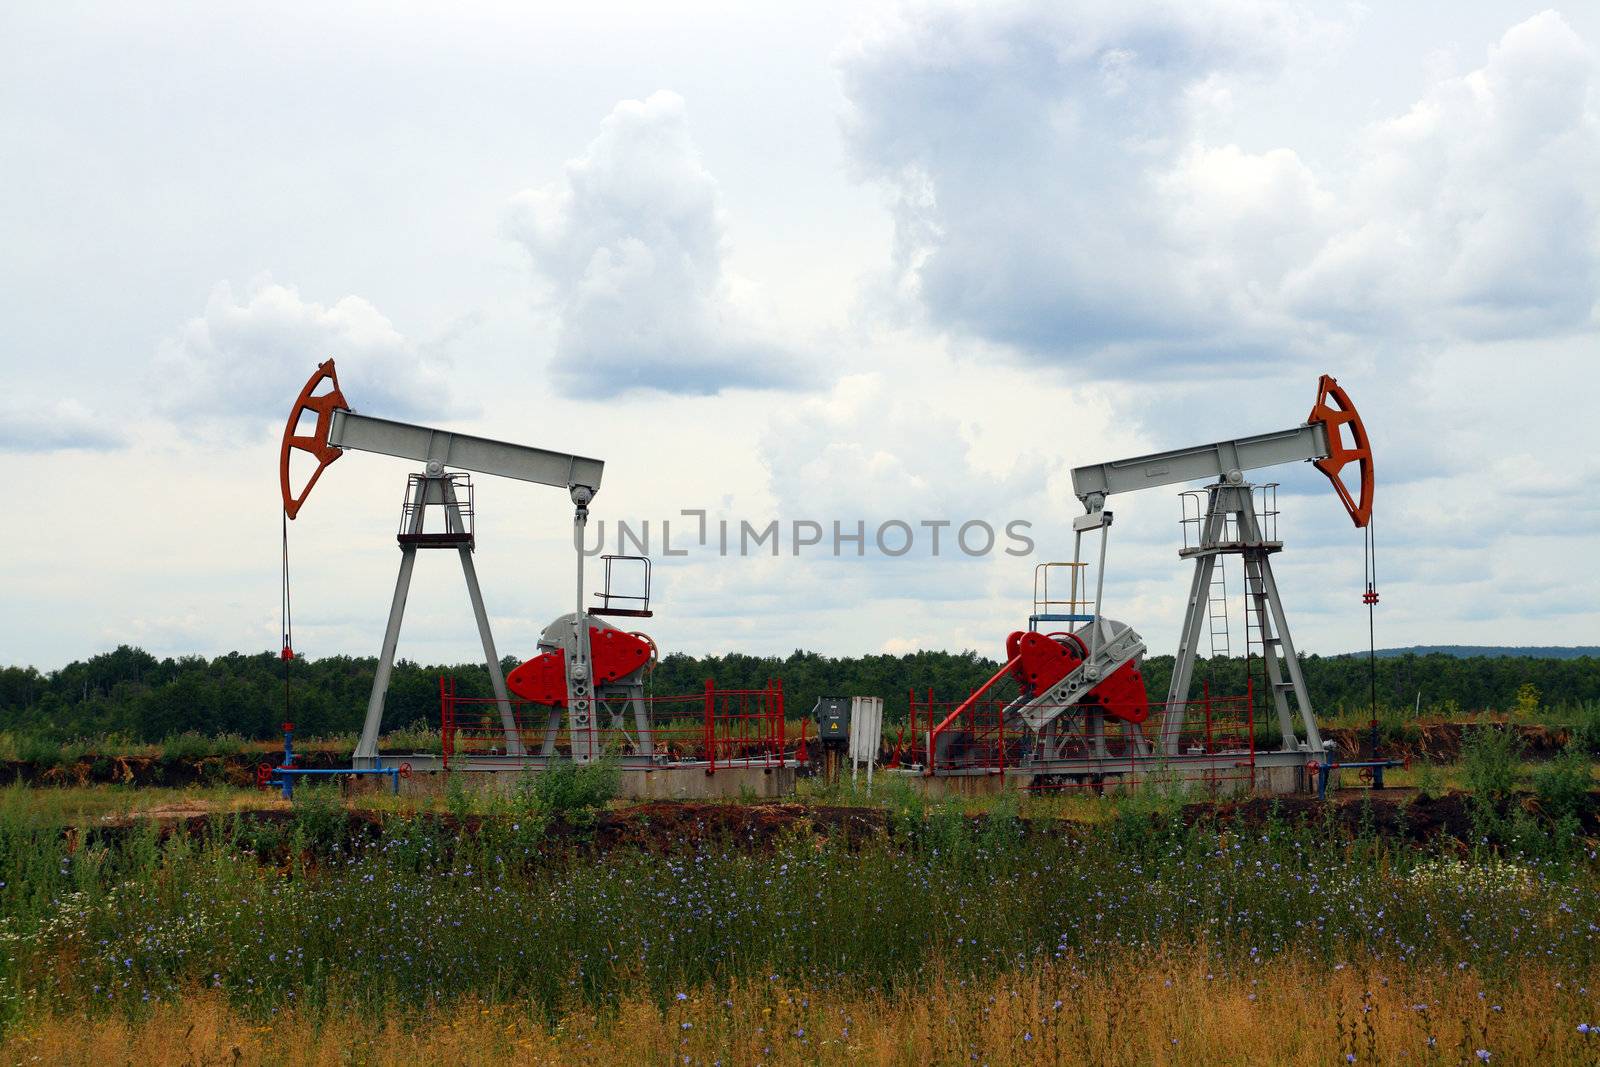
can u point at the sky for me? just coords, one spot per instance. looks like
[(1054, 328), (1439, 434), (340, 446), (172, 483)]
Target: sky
[(835, 262)]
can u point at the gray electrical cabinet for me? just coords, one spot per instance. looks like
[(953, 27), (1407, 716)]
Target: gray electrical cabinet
[(833, 720)]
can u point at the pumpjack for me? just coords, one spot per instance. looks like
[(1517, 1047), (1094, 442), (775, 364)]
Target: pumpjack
[(584, 666), (1071, 681)]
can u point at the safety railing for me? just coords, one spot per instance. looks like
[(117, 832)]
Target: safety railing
[(1213, 743), (1195, 507), (1074, 608), (425, 496), (717, 727)]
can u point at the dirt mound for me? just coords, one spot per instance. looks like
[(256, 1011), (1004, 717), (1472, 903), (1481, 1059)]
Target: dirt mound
[(674, 826), (1396, 813), (238, 769), (663, 826), (1440, 742), (756, 825)]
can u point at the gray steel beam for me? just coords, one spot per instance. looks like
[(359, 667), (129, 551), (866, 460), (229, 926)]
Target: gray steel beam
[(1291, 660), (491, 658), (1204, 461), (366, 753), (463, 452)]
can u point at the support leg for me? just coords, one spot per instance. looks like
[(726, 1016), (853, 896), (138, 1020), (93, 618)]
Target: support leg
[(1095, 727), (1265, 624), (1194, 621), (1291, 661), (508, 720), (366, 754), (641, 724)]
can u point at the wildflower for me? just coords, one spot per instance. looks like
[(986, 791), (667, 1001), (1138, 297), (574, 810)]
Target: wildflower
[(1483, 1055)]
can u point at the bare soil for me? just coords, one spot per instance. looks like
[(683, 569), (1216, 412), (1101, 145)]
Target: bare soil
[(675, 826), (1440, 742), (113, 769)]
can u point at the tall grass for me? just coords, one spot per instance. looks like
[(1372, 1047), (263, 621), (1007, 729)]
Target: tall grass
[(1152, 1008), (297, 917)]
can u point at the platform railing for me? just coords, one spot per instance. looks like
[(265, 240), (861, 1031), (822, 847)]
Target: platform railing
[(717, 727)]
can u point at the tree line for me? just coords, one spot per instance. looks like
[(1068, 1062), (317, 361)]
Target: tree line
[(131, 693)]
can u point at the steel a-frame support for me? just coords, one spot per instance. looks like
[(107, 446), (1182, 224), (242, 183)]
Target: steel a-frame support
[(1231, 525), (432, 490)]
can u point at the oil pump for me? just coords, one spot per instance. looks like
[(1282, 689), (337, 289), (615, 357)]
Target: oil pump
[(578, 652), (1070, 681), (1332, 437)]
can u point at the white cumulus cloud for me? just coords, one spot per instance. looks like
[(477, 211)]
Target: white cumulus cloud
[(1028, 145), (52, 426), (246, 358), (631, 246), (1477, 212), (1058, 187)]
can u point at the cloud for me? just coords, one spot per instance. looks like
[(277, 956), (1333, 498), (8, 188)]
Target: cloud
[(1057, 187), (38, 426), (1027, 146), (1476, 213), (876, 448), (631, 245), (247, 359)]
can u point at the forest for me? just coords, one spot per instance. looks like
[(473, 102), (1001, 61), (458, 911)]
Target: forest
[(130, 693)]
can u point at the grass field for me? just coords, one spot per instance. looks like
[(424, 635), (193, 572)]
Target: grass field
[(1135, 938), (1151, 1008)]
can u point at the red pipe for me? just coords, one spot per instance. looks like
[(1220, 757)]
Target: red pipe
[(710, 730), (778, 696)]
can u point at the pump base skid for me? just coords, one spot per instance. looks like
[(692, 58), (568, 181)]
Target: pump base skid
[(692, 780), (1219, 775)]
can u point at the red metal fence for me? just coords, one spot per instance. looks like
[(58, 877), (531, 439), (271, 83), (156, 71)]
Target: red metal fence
[(715, 726), (1215, 743)]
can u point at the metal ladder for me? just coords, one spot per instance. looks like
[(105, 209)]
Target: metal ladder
[(1217, 613)]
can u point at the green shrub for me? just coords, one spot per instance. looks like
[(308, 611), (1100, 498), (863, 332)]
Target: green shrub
[(1491, 754), (418, 737), (41, 751), (319, 817), (1562, 785), (1446, 710), (1430, 783), (457, 800), (575, 791), (906, 804), (193, 745), (1586, 728)]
